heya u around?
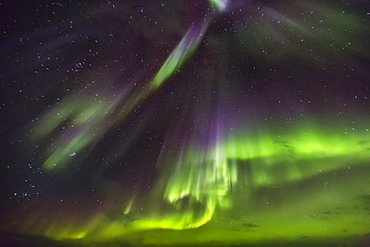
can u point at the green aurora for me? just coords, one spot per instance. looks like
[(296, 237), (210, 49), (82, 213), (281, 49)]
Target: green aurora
[(231, 179), (204, 186)]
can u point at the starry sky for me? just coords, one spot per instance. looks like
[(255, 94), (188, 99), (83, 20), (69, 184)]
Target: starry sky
[(140, 115)]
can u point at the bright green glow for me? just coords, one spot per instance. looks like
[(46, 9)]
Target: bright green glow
[(274, 159), (200, 185), (185, 220), (200, 180)]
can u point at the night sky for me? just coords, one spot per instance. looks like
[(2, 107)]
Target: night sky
[(120, 117)]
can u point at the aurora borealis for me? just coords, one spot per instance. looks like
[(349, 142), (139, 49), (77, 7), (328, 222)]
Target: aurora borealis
[(186, 122)]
